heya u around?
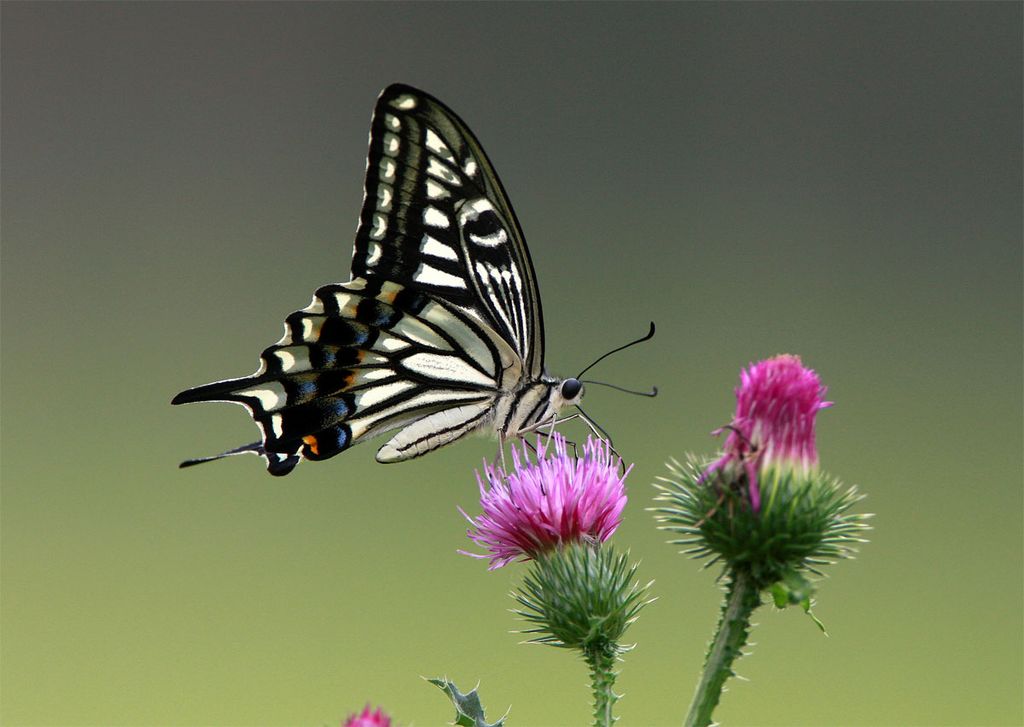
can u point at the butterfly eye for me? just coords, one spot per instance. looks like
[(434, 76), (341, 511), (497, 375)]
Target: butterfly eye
[(571, 388)]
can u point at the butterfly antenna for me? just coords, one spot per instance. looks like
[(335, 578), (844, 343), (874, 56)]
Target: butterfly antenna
[(648, 337), (652, 393)]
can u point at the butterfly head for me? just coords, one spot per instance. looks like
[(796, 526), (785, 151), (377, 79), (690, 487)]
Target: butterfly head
[(561, 393)]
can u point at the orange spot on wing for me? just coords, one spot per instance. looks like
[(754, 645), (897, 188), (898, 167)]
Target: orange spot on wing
[(346, 383), (388, 293), (311, 442)]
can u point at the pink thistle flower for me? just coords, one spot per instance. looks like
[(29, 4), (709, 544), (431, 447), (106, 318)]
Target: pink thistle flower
[(368, 719), (552, 501), (776, 404)]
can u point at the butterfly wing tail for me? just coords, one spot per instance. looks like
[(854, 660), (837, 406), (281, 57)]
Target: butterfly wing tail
[(277, 463), (217, 391)]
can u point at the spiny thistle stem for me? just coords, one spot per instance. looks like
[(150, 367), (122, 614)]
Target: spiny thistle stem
[(601, 661), (741, 599)]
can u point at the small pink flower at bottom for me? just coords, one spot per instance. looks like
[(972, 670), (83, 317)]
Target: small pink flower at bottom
[(556, 499), (776, 404), (368, 719)]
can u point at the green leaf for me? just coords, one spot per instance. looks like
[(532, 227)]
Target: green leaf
[(795, 589), (780, 596), (806, 603), (468, 710)]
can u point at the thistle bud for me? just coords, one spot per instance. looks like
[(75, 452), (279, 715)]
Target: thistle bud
[(763, 506), (777, 402), (368, 718)]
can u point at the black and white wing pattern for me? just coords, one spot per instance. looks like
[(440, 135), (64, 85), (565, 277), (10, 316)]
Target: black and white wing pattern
[(435, 217), (438, 333)]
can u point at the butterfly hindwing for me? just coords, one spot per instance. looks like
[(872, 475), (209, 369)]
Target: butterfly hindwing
[(361, 359)]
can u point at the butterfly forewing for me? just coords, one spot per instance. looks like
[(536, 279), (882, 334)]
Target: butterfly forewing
[(436, 218)]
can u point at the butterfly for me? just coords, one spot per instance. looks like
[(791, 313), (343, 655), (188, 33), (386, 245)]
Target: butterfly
[(438, 333)]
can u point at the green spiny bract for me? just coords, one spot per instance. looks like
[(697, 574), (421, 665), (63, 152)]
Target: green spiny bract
[(803, 521), (580, 597)]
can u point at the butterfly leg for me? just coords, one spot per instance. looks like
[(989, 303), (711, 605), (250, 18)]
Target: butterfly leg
[(500, 457), (591, 425), (602, 434), (569, 442), (550, 425)]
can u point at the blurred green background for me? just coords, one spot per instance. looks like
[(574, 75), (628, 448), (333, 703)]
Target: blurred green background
[(841, 181)]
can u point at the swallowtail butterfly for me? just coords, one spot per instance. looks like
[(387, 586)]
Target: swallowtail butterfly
[(438, 333)]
